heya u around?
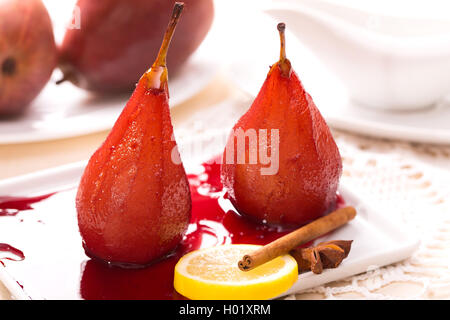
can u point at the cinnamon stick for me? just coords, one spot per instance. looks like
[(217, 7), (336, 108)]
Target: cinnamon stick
[(298, 237)]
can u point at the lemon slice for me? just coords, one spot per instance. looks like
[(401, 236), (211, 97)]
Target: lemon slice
[(213, 274)]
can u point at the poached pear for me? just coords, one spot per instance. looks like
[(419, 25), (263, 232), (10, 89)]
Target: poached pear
[(28, 53), (133, 201), (309, 165), (111, 49)]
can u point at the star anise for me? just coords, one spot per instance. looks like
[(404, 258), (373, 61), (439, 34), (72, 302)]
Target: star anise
[(325, 255)]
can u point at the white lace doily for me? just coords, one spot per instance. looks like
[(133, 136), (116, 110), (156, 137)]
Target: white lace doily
[(408, 180)]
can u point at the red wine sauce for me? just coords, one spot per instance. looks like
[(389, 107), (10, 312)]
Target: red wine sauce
[(213, 222)]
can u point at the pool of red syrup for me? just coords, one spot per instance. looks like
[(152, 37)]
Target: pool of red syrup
[(213, 222)]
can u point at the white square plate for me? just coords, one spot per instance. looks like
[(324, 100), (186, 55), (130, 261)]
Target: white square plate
[(378, 240)]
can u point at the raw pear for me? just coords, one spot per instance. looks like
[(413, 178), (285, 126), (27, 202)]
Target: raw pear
[(117, 37), (305, 184), (28, 53), (133, 201)]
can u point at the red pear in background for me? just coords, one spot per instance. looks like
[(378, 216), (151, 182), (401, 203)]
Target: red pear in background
[(133, 201), (304, 187), (111, 49), (28, 53)]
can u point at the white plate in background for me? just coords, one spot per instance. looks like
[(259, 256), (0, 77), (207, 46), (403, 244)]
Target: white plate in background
[(66, 111)]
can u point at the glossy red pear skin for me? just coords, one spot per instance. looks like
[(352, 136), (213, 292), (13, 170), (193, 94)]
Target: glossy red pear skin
[(310, 165), (26, 37), (111, 50), (133, 201)]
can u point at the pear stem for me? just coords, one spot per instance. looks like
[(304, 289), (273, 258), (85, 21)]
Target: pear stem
[(283, 63), (67, 76), (281, 28), (62, 80), (161, 59), (157, 76)]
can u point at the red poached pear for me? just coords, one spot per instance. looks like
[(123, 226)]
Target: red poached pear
[(111, 49), (28, 53), (306, 157), (133, 201)]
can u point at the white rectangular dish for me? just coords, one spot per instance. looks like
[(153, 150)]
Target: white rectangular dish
[(378, 240)]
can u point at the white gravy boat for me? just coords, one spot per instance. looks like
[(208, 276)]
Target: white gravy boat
[(385, 62)]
